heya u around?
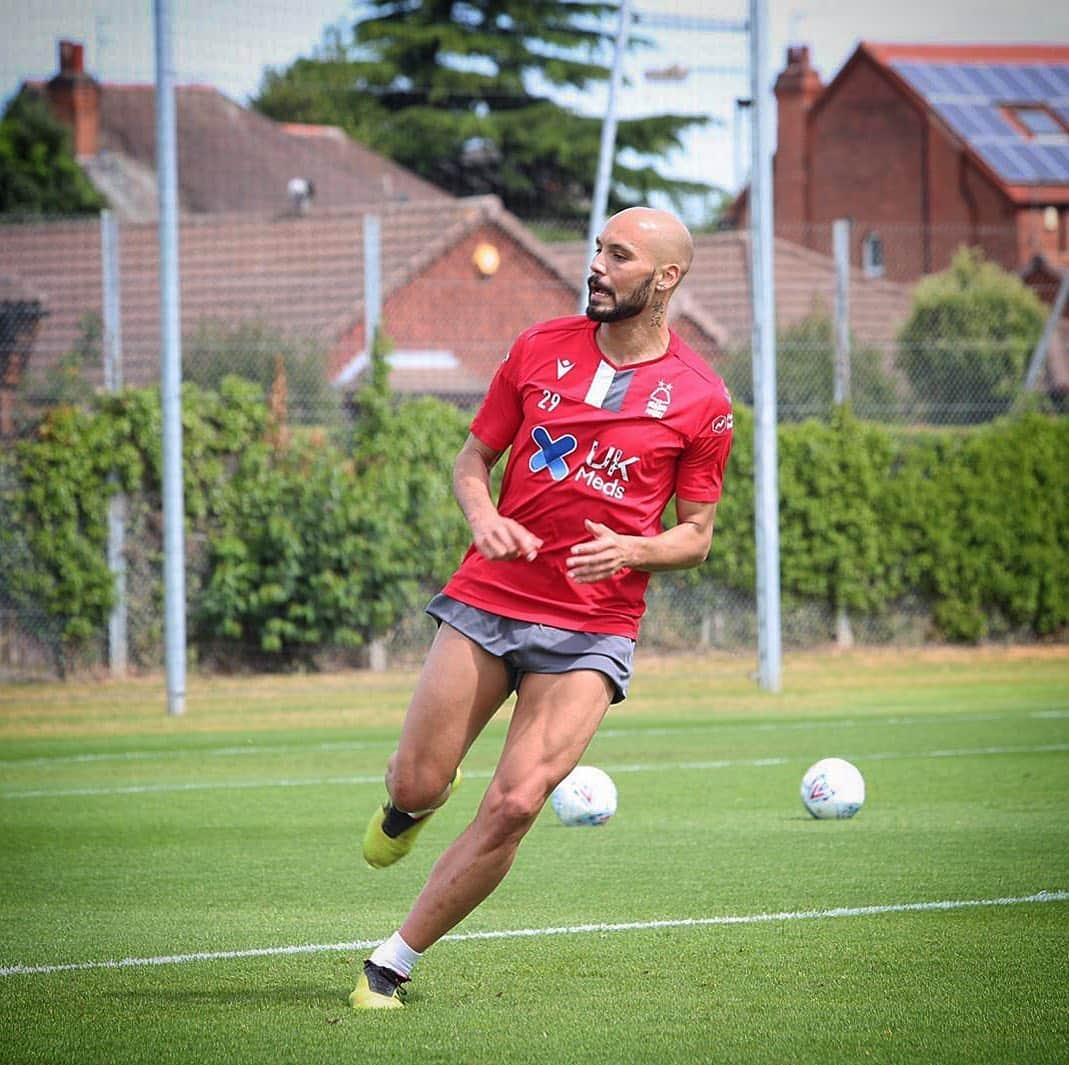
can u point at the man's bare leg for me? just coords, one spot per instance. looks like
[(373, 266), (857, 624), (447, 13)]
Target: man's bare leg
[(555, 718), (459, 690)]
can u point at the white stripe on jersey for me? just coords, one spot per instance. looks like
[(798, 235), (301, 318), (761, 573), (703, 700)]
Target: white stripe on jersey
[(599, 387)]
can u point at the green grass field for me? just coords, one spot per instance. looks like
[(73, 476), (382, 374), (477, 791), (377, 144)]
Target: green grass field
[(216, 858)]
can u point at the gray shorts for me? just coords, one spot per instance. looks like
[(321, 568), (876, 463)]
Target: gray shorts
[(527, 647)]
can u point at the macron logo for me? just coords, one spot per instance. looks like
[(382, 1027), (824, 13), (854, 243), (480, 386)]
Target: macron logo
[(563, 366)]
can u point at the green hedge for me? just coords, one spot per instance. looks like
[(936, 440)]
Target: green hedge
[(974, 522), (310, 544)]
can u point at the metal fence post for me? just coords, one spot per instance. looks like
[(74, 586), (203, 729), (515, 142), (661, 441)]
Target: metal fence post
[(372, 279), (174, 573), (377, 658), (766, 479), (112, 303), (1039, 355), (840, 230)]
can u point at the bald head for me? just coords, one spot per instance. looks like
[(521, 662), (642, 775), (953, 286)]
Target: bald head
[(659, 233)]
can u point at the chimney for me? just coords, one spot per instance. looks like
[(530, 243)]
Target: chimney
[(797, 89), (75, 99)]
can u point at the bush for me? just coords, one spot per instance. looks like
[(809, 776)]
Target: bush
[(254, 351), (982, 521), (974, 524), (316, 548), (966, 344)]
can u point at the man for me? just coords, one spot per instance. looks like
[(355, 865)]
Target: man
[(607, 417)]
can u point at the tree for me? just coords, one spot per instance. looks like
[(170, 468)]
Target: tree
[(38, 172), (966, 344), (459, 92)]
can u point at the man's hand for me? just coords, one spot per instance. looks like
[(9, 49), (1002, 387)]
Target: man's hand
[(500, 539), (601, 557)]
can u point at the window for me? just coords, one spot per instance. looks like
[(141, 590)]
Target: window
[(872, 255), (1038, 121)]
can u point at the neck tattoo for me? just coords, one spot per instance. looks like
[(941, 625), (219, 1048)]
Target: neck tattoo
[(657, 314)]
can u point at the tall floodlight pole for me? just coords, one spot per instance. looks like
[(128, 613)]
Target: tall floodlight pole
[(174, 575), (766, 482), (607, 151)]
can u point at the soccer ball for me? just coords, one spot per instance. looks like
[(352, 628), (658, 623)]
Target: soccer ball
[(833, 788), (586, 796)]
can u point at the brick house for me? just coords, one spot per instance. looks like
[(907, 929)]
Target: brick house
[(460, 279), (926, 147)]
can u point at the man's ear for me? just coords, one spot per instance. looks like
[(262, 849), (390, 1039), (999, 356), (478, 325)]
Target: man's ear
[(670, 276)]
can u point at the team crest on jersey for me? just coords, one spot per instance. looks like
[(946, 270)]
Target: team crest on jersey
[(660, 397)]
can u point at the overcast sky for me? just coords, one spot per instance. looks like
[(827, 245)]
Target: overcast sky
[(228, 43)]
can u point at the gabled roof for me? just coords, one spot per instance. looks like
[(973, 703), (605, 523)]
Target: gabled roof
[(235, 159), (301, 275), (304, 276), (232, 158), (1007, 105)]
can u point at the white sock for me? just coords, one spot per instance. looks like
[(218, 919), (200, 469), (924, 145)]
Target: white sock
[(396, 954)]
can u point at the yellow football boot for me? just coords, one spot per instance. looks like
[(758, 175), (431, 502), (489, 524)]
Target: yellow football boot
[(378, 989), (391, 833)]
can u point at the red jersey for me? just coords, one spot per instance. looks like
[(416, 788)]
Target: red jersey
[(591, 440)]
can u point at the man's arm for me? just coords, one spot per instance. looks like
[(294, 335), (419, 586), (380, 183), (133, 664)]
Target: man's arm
[(496, 538), (685, 545)]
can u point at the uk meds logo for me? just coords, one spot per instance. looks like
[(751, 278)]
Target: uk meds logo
[(551, 453), (606, 470)]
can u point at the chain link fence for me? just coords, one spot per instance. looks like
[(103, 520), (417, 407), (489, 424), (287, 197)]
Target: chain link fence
[(282, 300)]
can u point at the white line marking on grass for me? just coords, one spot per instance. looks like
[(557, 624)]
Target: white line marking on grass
[(485, 774), (186, 752), (566, 930), (229, 785), (605, 733)]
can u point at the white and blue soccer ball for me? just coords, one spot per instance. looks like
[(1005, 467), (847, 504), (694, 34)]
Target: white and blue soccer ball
[(833, 788), (586, 796)]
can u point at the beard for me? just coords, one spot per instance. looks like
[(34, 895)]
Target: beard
[(622, 308)]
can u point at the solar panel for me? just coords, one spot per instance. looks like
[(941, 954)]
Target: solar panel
[(1007, 163), (972, 121), (1049, 85), (970, 97), (919, 76), (1059, 73), (986, 79), (958, 78), (1059, 157)]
